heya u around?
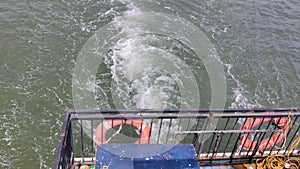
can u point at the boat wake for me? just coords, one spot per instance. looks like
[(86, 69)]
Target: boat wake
[(149, 60)]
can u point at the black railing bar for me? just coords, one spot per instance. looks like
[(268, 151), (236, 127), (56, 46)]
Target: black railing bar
[(208, 122), (71, 141), (225, 127), (234, 126), (228, 131), (237, 148), (63, 160), (81, 137), (218, 123), (219, 159), (294, 136), (159, 130), (178, 128), (260, 137), (226, 124), (169, 128), (216, 116), (151, 125), (227, 154), (210, 148), (196, 136), (66, 144), (243, 154), (274, 146), (187, 115), (92, 135), (282, 129), (242, 144), (222, 161), (136, 117), (289, 109), (61, 141), (66, 151), (217, 145), (211, 143), (249, 115), (256, 148), (70, 145), (202, 139)]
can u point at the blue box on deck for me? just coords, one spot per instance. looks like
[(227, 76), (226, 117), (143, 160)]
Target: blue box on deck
[(146, 156)]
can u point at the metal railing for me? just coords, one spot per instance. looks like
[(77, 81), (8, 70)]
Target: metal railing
[(64, 152), (220, 136)]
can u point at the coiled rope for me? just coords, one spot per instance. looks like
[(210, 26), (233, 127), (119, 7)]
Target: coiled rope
[(279, 161)]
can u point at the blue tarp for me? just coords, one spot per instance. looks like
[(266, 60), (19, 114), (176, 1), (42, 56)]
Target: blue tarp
[(146, 156)]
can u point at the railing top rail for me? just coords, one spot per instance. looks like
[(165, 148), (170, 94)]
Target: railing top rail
[(229, 110), (174, 115)]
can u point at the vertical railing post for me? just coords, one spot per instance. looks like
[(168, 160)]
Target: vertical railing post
[(60, 158), (81, 140), (69, 146), (203, 136)]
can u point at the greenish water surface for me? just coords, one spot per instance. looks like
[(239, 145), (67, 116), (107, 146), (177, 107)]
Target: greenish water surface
[(257, 44)]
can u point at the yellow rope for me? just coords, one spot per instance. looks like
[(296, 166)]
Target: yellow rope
[(278, 161), (293, 145)]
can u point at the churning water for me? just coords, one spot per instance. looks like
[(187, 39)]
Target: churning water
[(137, 54)]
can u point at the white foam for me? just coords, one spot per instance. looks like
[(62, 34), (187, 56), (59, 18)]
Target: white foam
[(239, 92), (145, 75), (151, 72)]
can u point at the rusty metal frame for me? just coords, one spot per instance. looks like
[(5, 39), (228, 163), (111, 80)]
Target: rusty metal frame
[(206, 140)]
